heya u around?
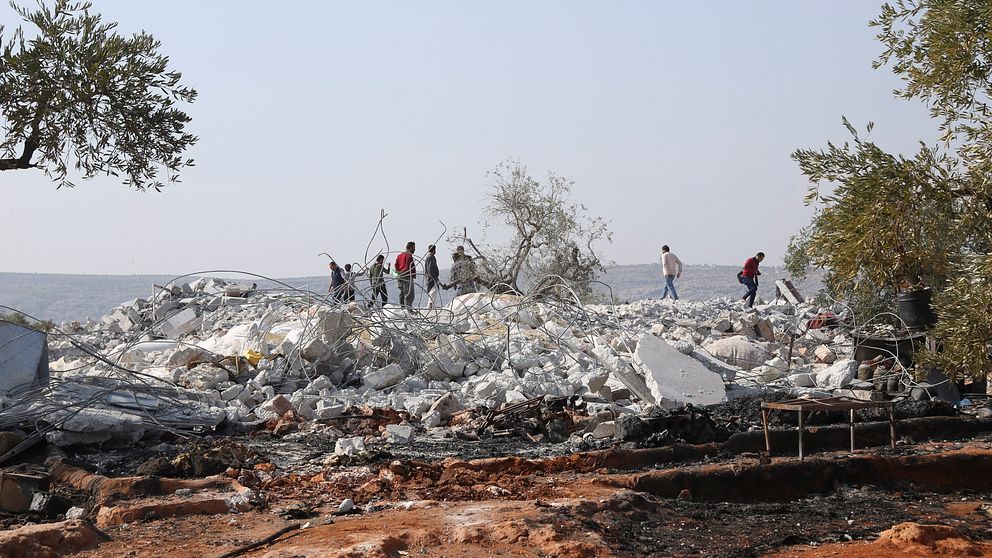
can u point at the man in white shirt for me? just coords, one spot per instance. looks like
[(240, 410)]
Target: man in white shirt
[(671, 267)]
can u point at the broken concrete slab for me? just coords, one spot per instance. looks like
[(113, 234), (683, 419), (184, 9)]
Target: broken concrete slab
[(622, 371), (180, 323), (788, 291), (384, 377), (676, 378), (17, 490), (764, 329), (727, 372), (399, 433), (349, 446)]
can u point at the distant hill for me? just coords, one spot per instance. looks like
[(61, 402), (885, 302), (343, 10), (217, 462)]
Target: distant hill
[(61, 297)]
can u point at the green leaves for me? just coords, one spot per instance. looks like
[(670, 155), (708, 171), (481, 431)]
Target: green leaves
[(889, 220), (79, 98)]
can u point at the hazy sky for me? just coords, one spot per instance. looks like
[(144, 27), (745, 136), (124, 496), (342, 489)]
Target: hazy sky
[(675, 119)]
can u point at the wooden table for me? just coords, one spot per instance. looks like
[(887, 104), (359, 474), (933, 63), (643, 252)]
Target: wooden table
[(828, 404)]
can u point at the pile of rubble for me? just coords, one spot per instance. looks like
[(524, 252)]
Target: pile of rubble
[(214, 352)]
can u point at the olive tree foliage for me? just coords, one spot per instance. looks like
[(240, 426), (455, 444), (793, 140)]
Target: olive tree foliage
[(78, 97), (553, 237), (888, 221)]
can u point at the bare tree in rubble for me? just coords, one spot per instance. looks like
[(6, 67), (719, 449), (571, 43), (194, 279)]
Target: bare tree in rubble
[(552, 236)]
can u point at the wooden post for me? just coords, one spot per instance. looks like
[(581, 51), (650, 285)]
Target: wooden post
[(764, 421), (792, 343), (892, 426), (800, 435), (852, 430)]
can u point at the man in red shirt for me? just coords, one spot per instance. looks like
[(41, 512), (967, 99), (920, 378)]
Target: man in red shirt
[(406, 269), (749, 275)]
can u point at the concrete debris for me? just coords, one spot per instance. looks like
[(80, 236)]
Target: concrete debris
[(739, 351), (838, 375), (399, 433), (212, 351), (824, 354), (349, 446), (676, 378)]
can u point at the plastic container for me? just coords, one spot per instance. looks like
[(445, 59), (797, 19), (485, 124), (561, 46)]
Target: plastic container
[(915, 310)]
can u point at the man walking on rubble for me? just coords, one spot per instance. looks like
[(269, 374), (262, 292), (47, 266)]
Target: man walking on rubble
[(337, 282), (671, 268), (432, 277), (406, 270), (749, 276), (349, 284), (463, 274), (378, 281)]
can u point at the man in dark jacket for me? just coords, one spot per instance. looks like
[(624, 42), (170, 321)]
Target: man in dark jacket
[(337, 282), (432, 277), (749, 275)]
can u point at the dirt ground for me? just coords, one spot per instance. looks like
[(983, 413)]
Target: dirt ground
[(563, 506)]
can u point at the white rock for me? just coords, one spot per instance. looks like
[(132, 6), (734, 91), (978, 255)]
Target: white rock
[(803, 379), (399, 433), (838, 375), (739, 351), (179, 323), (349, 446), (825, 354), (684, 347), (430, 420), (514, 396), (232, 393), (384, 377)]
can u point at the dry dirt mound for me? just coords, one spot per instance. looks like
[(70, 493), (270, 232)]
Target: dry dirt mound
[(929, 540), (905, 540), (49, 540)]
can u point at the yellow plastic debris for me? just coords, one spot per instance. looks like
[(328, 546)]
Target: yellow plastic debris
[(253, 356)]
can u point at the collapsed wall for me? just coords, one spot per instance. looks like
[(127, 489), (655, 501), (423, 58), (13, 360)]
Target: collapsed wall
[(210, 352)]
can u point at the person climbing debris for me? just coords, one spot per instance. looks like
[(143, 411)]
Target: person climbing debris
[(749, 277)]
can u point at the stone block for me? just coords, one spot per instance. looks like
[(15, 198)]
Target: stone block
[(349, 446), (837, 376), (825, 354), (764, 329), (180, 323), (278, 405), (384, 377), (399, 433), (604, 430)]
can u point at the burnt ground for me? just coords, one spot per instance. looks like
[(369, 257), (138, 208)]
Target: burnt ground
[(504, 508), (742, 530), (509, 496)]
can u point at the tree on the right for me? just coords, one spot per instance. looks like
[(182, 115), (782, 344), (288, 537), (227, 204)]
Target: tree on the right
[(889, 223)]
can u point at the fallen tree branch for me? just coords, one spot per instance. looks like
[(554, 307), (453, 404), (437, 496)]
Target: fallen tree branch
[(252, 546)]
